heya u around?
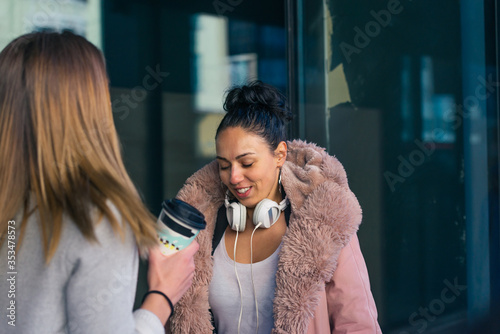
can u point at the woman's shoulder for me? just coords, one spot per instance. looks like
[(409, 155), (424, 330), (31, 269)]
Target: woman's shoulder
[(74, 249), (316, 184), (112, 248), (313, 164), (113, 240)]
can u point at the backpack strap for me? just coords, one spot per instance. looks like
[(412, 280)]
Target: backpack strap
[(220, 227)]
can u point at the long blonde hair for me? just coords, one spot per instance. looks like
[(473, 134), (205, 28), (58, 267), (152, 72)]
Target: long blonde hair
[(58, 143)]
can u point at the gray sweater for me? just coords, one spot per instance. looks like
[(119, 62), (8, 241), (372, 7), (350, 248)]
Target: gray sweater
[(86, 288)]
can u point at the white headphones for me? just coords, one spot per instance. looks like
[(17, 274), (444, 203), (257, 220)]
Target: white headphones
[(266, 212)]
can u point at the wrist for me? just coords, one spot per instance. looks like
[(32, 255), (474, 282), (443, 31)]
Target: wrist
[(158, 303)]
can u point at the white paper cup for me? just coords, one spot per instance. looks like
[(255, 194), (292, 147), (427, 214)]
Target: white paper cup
[(179, 223)]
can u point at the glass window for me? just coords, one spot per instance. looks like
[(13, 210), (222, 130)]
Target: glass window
[(404, 94), (82, 17), (170, 63)]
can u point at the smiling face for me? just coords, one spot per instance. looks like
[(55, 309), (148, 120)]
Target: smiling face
[(248, 167)]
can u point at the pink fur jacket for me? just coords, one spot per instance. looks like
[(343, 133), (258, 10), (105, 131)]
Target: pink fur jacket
[(322, 284)]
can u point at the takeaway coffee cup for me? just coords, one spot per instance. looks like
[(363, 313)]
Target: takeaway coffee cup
[(179, 223)]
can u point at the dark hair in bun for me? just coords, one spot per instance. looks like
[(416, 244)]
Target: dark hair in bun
[(258, 108)]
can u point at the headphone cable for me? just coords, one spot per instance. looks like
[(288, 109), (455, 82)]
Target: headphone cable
[(251, 271), (238, 279)]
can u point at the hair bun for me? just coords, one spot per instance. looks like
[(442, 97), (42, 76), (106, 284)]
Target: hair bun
[(258, 96)]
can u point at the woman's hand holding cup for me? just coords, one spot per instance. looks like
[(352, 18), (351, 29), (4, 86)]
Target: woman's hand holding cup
[(172, 275)]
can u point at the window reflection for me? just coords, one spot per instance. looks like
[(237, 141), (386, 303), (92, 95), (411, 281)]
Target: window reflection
[(396, 134), (20, 17), (229, 52)]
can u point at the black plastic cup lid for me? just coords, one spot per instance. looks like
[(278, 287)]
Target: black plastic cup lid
[(184, 212)]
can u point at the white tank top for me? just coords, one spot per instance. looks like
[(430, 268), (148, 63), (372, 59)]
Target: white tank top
[(224, 293)]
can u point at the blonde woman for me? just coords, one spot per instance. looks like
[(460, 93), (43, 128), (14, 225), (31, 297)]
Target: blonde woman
[(71, 221)]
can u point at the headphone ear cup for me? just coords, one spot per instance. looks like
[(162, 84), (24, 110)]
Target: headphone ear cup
[(266, 212), (236, 216)]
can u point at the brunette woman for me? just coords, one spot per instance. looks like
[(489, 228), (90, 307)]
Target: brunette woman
[(282, 225)]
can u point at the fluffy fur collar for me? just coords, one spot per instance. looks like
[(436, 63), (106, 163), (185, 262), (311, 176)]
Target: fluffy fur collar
[(325, 215)]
